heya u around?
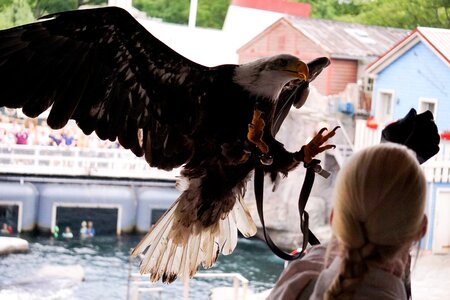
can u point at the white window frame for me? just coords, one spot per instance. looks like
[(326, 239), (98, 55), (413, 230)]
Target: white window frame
[(117, 206), (428, 100), (368, 86), (378, 104), (19, 205)]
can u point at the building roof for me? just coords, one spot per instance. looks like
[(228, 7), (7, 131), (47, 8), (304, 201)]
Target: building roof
[(437, 39), (348, 40)]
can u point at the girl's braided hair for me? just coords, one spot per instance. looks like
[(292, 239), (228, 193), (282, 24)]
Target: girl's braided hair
[(378, 212)]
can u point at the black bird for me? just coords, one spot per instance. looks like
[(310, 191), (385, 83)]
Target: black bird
[(101, 68)]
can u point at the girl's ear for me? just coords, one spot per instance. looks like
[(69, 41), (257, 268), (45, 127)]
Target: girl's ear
[(424, 227)]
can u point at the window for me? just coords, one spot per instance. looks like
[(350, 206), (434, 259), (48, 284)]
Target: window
[(156, 214), (427, 104), (368, 84), (385, 105)]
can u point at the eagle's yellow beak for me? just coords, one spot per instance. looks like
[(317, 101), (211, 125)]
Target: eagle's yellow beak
[(298, 69), (302, 70)]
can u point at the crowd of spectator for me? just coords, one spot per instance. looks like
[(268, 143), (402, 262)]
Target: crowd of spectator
[(36, 132)]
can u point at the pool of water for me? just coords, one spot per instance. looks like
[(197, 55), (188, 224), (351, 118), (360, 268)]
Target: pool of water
[(106, 266)]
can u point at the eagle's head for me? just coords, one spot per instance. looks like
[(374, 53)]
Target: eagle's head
[(267, 76)]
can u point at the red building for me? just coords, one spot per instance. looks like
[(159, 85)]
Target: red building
[(350, 47)]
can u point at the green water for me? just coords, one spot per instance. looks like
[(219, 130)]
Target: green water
[(105, 262)]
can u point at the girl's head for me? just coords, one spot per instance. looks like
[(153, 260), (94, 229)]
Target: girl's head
[(379, 207)]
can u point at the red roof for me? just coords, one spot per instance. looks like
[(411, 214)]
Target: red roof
[(281, 6), (438, 38)]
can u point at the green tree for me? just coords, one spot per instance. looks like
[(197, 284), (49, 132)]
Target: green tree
[(404, 13), (210, 13), (331, 9), (393, 13), (168, 11), (43, 7), (14, 13), (5, 3)]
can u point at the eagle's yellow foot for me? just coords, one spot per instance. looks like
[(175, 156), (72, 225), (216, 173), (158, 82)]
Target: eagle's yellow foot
[(256, 132), (315, 146)]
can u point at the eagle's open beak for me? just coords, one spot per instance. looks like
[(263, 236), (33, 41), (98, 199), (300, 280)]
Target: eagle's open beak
[(298, 69), (302, 70)]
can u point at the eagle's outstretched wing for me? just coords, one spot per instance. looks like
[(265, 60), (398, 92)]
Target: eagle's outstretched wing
[(296, 92), (103, 69)]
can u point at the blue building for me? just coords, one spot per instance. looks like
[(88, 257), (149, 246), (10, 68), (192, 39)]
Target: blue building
[(415, 73)]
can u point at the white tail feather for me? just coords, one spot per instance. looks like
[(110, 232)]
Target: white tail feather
[(244, 220), (164, 258), (150, 236)]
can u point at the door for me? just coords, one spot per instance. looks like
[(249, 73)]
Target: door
[(441, 232)]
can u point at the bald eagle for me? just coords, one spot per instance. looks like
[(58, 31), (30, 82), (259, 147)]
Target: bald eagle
[(101, 68)]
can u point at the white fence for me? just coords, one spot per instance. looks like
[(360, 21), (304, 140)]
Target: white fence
[(437, 168), (121, 163), (73, 161)]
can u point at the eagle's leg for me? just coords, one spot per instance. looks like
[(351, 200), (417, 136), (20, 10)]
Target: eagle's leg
[(255, 135), (315, 146), (256, 132)]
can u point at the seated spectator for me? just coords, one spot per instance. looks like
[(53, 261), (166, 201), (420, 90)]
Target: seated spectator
[(83, 229), (67, 233), (90, 229), (6, 229)]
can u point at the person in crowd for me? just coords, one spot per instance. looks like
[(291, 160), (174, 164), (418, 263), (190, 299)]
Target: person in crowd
[(68, 137), (83, 229), (55, 138), (21, 137), (378, 214), (55, 231), (90, 229), (67, 233), (6, 229), (43, 135)]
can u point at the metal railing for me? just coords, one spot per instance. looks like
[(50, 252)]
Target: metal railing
[(140, 284), (74, 161)]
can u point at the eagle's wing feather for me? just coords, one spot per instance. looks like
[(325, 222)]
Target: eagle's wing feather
[(103, 69)]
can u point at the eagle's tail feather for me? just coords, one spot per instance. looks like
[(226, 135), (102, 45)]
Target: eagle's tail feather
[(244, 220), (162, 223), (169, 254)]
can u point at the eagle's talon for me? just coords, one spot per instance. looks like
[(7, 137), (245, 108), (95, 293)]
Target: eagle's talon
[(315, 147)]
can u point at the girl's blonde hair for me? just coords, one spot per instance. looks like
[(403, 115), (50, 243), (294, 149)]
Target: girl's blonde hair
[(378, 212)]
